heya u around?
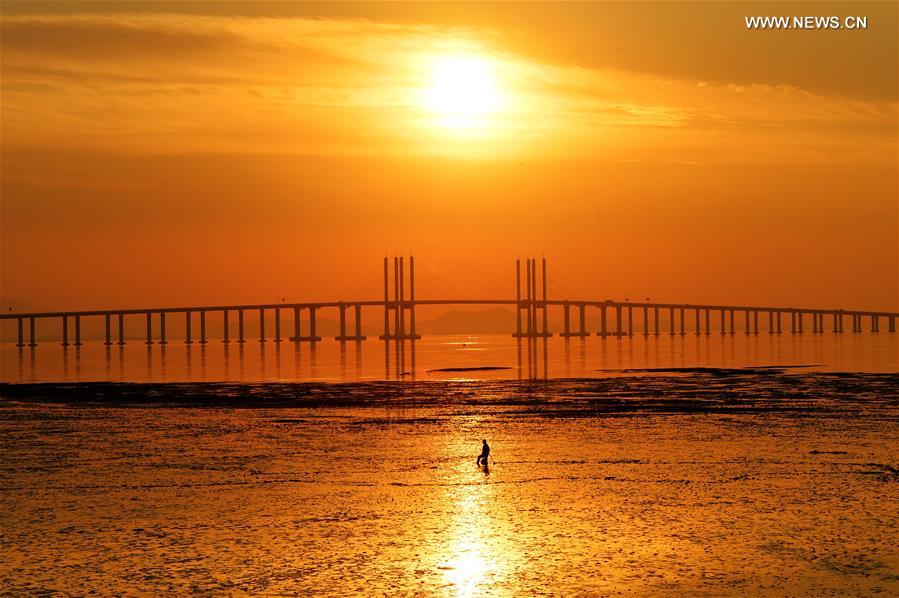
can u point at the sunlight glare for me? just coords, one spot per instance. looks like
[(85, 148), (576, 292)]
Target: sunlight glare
[(463, 91)]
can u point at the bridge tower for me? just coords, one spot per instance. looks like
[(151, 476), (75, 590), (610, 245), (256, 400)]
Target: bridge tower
[(531, 304), (400, 307)]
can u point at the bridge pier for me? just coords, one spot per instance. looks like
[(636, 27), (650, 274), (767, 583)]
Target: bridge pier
[(630, 320), (149, 329), (261, 325), (723, 327), (875, 323), (683, 322), (225, 338), (891, 324), (618, 331), (698, 324), (645, 320), (755, 322), (107, 327), (746, 323), (770, 322), (162, 340), (358, 327), (671, 321), (312, 335), (708, 322), (836, 321), (21, 330), (32, 342), (77, 331), (656, 321), (65, 331), (341, 310), (566, 329), (778, 322), (602, 321), (733, 329), (517, 298), (187, 338), (202, 327), (121, 329), (240, 338)]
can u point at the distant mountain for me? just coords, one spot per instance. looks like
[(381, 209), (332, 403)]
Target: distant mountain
[(489, 321)]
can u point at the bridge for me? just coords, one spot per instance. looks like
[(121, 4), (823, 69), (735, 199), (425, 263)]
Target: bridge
[(398, 305)]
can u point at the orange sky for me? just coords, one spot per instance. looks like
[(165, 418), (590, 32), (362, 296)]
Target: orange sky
[(155, 154)]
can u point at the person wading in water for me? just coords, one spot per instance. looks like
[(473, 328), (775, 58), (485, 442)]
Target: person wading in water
[(485, 453)]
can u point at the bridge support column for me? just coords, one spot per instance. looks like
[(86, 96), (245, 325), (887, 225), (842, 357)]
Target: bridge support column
[(770, 322), (656, 321), (708, 322), (412, 333), (65, 331), (875, 323), (77, 331), (671, 321), (755, 322), (261, 325), (645, 320), (202, 327), (312, 336), (618, 331), (733, 329), (225, 338), (723, 327), (546, 333), (21, 328), (31, 340), (359, 336), (187, 338), (121, 329), (108, 329), (396, 299), (277, 324), (891, 327), (518, 298), (778, 322), (149, 329), (630, 320), (566, 332), (698, 324), (386, 303), (602, 321), (683, 322), (162, 340), (582, 316), (748, 330), (341, 311), (296, 318), (240, 338), (792, 322), (836, 322), (799, 317)]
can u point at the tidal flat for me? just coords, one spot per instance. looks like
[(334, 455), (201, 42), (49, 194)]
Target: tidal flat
[(774, 481)]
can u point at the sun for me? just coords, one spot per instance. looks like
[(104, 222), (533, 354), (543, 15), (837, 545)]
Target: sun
[(463, 91)]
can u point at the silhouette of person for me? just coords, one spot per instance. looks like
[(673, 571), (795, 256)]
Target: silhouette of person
[(485, 453)]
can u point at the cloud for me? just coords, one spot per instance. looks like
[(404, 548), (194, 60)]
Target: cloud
[(170, 83)]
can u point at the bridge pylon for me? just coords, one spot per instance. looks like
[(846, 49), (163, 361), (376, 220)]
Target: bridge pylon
[(531, 304), (401, 306)]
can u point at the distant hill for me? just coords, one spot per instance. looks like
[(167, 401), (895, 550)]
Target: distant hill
[(489, 321)]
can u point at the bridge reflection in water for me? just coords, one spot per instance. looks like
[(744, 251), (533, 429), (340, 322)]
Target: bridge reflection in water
[(441, 357)]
